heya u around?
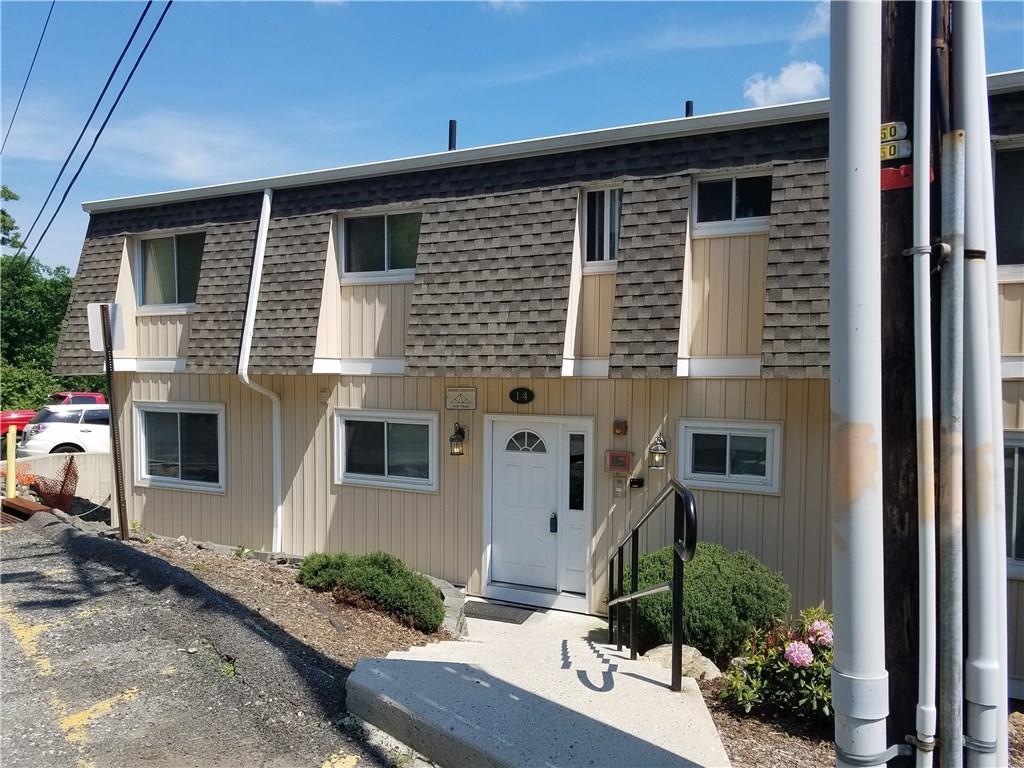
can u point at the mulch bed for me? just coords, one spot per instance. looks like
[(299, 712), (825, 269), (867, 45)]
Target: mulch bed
[(343, 632), (766, 742)]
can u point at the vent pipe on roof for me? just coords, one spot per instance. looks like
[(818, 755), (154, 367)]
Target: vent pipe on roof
[(689, 107), (451, 135)]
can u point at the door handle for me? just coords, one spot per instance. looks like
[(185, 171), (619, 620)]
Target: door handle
[(86, 430), (553, 523)]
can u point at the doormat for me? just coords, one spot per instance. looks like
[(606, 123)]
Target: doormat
[(510, 614)]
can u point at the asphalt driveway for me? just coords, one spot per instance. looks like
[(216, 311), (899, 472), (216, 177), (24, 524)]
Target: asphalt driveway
[(111, 657)]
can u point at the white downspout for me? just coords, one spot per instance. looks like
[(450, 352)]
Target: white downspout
[(982, 684), (243, 366), (921, 254), (860, 683)]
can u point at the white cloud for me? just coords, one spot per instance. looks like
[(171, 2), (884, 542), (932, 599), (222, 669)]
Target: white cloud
[(815, 24), (506, 5), (43, 132), (188, 148), (797, 81)]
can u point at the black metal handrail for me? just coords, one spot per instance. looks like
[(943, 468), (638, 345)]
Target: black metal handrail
[(684, 544)]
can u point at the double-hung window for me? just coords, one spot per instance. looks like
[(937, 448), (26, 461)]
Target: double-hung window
[(383, 245), (180, 445), (1013, 453), (732, 456), (601, 214), (169, 268), (392, 449), (738, 203)]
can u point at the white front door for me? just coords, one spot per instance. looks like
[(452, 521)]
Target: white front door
[(525, 494)]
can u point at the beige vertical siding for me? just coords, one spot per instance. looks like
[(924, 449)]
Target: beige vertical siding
[(727, 279), (162, 335), (241, 515), (1013, 404), (594, 334), (373, 320), (1011, 318), (442, 533)]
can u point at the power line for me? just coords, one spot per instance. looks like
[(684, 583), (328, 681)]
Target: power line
[(28, 75), (99, 133), (85, 127)]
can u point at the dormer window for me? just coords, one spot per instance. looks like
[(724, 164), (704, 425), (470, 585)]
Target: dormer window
[(736, 204), (169, 269), (384, 245), (601, 214)]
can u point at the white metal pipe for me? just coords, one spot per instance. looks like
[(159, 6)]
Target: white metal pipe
[(980, 212), (243, 369), (860, 683), (951, 457), (921, 253)]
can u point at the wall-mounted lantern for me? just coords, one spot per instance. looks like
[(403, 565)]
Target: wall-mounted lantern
[(658, 453), (458, 440)]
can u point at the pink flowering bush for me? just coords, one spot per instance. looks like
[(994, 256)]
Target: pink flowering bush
[(786, 670), (799, 654)]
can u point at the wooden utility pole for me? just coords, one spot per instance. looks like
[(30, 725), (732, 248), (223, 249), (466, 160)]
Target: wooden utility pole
[(899, 421)]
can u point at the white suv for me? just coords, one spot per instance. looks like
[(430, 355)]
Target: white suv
[(67, 429)]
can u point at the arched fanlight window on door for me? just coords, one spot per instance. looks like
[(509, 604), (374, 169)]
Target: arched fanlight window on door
[(526, 441)]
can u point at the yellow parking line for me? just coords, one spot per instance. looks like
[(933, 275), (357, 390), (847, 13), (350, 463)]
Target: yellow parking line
[(74, 725), (27, 636), (340, 760)]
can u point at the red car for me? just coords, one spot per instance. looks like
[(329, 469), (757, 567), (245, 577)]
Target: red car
[(20, 418)]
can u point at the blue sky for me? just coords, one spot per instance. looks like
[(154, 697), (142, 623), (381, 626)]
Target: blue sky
[(240, 90)]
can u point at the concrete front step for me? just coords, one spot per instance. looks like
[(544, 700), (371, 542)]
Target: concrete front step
[(537, 695)]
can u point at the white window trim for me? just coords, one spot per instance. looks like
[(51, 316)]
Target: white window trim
[(1010, 273), (1014, 567), (745, 226), (605, 265), (379, 277), (182, 308), (772, 430), (341, 477), (144, 480)]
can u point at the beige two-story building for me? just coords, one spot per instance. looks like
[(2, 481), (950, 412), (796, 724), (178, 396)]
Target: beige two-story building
[(464, 358)]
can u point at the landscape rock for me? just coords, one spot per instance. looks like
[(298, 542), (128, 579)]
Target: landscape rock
[(695, 664)]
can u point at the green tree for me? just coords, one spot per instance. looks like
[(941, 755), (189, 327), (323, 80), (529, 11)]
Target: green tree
[(33, 300), (10, 235)]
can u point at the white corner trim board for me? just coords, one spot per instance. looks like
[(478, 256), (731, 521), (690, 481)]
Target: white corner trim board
[(1012, 367), (360, 366), (149, 364), (719, 367), (590, 368)]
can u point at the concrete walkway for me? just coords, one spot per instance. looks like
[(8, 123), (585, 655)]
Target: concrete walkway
[(544, 693)]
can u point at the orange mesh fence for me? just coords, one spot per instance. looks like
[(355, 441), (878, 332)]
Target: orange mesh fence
[(57, 493)]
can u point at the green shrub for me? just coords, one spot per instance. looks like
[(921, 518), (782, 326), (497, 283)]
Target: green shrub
[(380, 580), (726, 596), (787, 671)]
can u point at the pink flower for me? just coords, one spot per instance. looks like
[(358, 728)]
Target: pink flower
[(820, 633), (799, 654)]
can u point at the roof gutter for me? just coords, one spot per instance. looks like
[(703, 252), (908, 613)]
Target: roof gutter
[(740, 119), (243, 369), (569, 142)]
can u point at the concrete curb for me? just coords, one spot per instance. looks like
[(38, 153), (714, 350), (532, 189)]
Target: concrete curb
[(365, 699)]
